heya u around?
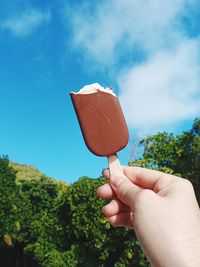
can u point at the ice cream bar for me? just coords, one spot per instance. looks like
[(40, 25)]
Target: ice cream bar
[(101, 120)]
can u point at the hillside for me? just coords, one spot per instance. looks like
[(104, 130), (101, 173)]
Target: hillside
[(30, 173), (27, 172)]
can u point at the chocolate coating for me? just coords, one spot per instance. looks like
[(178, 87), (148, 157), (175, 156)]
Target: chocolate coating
[(101, 121)]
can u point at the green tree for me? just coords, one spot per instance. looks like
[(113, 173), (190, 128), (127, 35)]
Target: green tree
[(30, 230), (176, 154), (14, 216), (91, 239), (46, 235)]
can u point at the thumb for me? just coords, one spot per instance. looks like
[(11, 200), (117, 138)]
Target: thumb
[(125, 190)]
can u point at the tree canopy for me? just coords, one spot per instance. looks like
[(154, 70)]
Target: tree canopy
[(176, 154), (47, 223)]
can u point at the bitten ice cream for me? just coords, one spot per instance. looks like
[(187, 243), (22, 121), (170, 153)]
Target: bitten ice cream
[(101, 119)]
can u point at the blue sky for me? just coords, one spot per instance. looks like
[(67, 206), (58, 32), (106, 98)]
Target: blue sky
[(148, 51)]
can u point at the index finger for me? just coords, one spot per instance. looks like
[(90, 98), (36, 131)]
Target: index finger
[(146, 178)]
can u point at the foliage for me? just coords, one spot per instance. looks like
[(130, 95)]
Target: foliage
[(62, 226), (178, 154), (96, 242), (47, 223), (14, 213), (28, 225)]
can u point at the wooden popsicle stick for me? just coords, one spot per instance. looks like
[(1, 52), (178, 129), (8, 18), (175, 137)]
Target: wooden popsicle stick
[(114, 165)]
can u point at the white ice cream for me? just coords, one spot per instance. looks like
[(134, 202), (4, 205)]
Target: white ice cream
[(93, 88)]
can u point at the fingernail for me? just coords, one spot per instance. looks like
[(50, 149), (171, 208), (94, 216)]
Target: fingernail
[(116, 180), (104, 170)]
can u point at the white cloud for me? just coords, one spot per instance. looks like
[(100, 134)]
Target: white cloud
[(26, 23), (115, 28), (163, 90), (163, 86)]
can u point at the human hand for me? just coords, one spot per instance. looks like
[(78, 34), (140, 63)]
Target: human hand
[(163, 211)]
